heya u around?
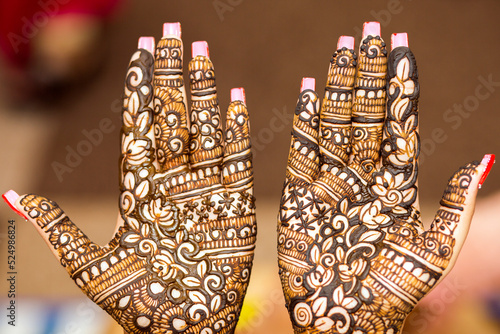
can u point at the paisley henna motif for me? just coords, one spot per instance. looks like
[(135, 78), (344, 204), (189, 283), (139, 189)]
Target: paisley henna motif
[(181, 261), (353, 255)]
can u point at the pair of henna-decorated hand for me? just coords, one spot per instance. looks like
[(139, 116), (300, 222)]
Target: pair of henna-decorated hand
[(352, 252)]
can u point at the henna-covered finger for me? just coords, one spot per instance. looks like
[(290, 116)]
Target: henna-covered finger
[(171, 121), (206, 128), (335, 124), (66, 241), (452, 221), (400, 147), (333, 182), (303, 158), (137, 159), (401, 143), (368, 111), (397, 182), (237, 169)]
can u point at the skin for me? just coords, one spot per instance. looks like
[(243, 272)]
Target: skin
[(353, 254), (181, 258)]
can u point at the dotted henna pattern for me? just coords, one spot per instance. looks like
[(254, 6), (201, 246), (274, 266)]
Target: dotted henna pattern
[(181, 261)]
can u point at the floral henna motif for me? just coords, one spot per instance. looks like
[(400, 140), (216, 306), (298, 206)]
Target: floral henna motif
[(181, 261), (353, 255)]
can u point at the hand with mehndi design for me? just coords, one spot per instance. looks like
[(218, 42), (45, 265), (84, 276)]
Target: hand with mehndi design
[(180, 260), (353, 254)]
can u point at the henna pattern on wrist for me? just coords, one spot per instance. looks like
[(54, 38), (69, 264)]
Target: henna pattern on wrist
[(181, 261), (353, 257)]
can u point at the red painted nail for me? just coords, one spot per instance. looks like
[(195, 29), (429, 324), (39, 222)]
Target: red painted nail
[(308, 83), (345, 41), (487, 162), (147, 43), (400, 39), (200, 48), (371, 28), (172, 29), (238, 94), (10, 197)]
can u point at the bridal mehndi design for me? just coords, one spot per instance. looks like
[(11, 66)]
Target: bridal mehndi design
[(180, 261), (353, 254)]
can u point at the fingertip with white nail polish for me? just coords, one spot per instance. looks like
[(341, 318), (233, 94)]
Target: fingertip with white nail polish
[(172, 29), (200, 48), (371, 28), (345, 42), (399, 39), (308, 83), (238, 94), (147, 43)]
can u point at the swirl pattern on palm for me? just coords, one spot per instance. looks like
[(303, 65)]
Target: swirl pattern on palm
[(180, 261), (353, 254)]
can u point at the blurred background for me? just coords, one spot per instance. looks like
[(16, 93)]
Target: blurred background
[(61, 76)]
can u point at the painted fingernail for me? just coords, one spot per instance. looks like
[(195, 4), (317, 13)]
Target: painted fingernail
[(147, 43), (399, 39), (10, 197), (308, 83), (487, 163), (172, 29), (200, 48), (371, 28), (345, 42), (238, 94)]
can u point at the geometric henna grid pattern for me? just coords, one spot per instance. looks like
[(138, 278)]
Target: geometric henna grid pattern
[(180, 262), (353, 254)]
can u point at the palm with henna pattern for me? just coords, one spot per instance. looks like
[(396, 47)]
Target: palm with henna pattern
[(353, 254), (180, 260)]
